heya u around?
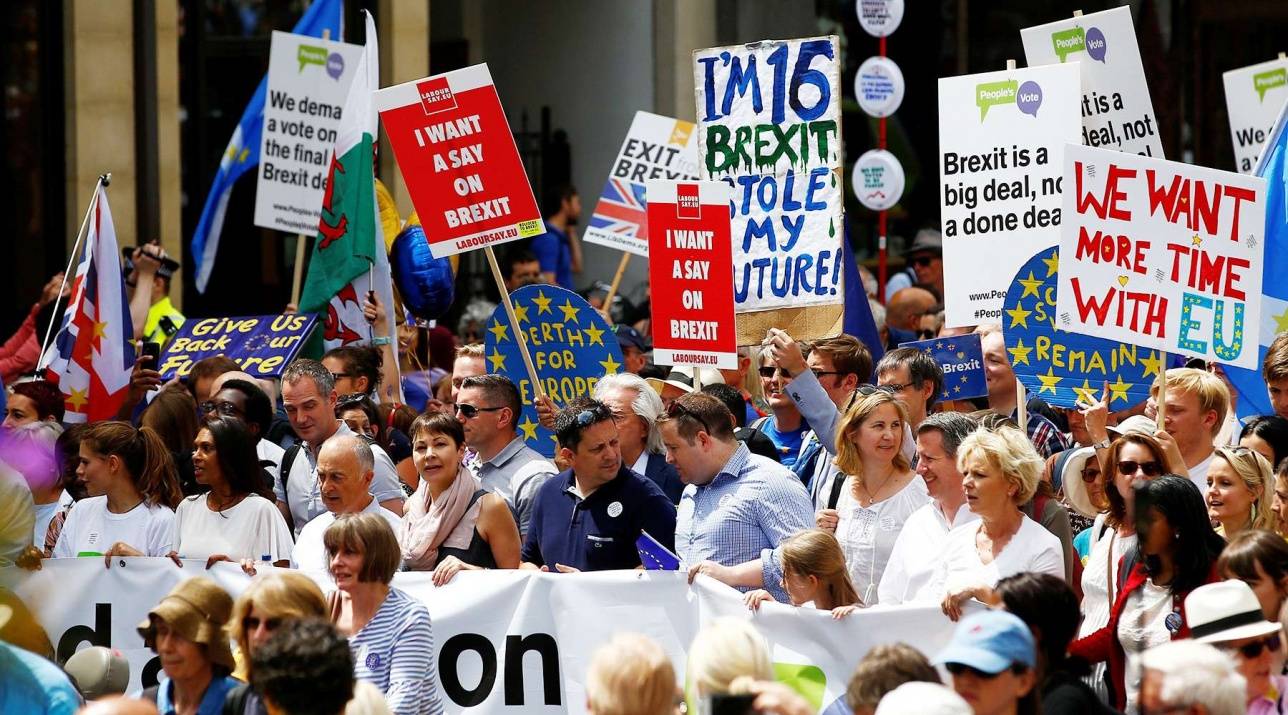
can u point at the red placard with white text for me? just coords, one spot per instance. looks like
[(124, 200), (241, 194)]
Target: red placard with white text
[(691, 274), (457, 154)]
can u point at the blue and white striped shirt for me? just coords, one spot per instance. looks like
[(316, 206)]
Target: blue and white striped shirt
[(395, 652), (742, 514)]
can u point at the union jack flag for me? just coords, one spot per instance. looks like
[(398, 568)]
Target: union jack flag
[(621, 209), (91, 356)]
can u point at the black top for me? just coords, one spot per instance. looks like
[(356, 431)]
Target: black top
[(1065, 694), (479, 552)]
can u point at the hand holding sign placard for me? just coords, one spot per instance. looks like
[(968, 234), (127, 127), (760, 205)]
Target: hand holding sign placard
[(1162, 254), (263, 345), (1062, 367), (572, 346)]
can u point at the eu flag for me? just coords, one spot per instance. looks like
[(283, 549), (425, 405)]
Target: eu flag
[(654, 556)]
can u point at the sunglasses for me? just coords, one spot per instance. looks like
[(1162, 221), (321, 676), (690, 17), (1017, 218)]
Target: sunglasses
[(866, 391), (351, 398), (1253, 649), (962, 669), (677, 410), (251, 623), (1090, 475), (769, 371), (923, 261), (1128, 467), (338, 375), (470, 411), (227, 409)]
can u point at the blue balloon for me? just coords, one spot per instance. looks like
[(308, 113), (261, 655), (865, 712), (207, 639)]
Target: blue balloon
[(425, 283)]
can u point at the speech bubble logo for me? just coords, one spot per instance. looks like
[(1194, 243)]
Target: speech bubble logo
[(311, 55), (1067, 42), (1095, 43), (991, 94), (1266, 81), (335, 65), (1029, 98)]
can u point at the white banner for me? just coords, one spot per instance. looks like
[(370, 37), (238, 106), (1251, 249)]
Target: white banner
[(1001, 152), (308, 79), (1117, 112), (505, 641), (1253, 97)]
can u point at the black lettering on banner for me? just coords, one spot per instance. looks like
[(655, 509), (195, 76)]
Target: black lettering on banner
[(515, 648), (100, 634), (450, 677)]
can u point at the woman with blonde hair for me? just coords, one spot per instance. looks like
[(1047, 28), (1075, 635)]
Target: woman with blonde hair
[(630, 675), (724, 651), (270, 600), (1240, 491), (814, 575), (1001, 471), (876, 491)]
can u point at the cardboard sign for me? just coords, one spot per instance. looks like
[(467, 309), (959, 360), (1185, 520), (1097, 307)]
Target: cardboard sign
[(656, 147), (1162, 254), (962, 360), (308, 79), (458, 157), (1001, 142), (1253, 97), (263, 345), (769, 125), (690, 271), (1062, 367), (1116, 110), (571, 344)]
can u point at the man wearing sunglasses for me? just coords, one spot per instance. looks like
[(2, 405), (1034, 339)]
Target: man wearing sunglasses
[(488, 408), (1228, 615), (737, 506), (588, 517)]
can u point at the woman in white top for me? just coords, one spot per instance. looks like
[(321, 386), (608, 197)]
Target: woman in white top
[(868, 513), (238, 518), (1001, 472), (133, 489)]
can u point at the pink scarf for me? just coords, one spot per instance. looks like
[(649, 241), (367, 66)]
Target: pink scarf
[(426, 525)]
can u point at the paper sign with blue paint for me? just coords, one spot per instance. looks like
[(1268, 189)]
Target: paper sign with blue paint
[(962, 360), (571, 344), (1062, 367), (263, 345)]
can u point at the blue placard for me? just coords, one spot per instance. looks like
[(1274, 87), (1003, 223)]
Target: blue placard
[(962, 360), (571, 344), (1061, 367), (263, 345)]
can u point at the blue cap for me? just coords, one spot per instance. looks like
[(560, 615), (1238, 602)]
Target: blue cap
[(990, 642)]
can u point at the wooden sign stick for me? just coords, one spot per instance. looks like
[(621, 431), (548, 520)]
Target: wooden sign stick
[(514, 322), (617, 281)]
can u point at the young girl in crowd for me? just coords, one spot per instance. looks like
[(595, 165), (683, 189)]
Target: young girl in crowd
[(132, 489), (1239, 491), (814, 575)]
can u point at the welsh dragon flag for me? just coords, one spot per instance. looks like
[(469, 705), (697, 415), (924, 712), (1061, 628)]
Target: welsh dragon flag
[(349, 256)]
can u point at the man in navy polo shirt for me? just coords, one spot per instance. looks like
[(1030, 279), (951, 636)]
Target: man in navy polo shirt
[(588, 518)]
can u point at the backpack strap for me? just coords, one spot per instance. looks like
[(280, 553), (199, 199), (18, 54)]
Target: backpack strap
[(288, 461), (835, 496)]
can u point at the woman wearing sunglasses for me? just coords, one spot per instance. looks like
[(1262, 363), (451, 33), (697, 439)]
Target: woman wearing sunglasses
[(1239, 494), (1176, 553), (992, 660), (1227, 615), (1132, 458), (270, 600)]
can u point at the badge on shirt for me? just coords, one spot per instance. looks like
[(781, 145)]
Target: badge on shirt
[(724, 500), (615, 509), (373, 661), (1173, 622)]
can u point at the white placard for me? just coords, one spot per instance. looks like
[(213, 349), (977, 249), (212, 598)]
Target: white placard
[(308, 79), (1161, 254), (1001, 144), (1117, 112), (1253, 98)]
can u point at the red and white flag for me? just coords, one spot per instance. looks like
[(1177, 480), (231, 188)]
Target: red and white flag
[(91, 356)]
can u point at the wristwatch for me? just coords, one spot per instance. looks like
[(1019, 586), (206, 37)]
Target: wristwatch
[(1103, 444)]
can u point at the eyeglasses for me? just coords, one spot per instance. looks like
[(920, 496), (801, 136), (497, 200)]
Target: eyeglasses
[(1128, 467), (923, 261), (677, 410), (769, 371), (251, 623), (899, 388), (470, 411), (224, 408), (1253, 649), (821, 373), (337, 375), (962, 668)]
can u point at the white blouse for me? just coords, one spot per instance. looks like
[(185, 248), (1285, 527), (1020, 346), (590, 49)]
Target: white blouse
[(868, 534)]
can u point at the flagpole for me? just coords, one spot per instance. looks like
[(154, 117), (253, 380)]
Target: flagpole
[(514, 322), (104, 180)]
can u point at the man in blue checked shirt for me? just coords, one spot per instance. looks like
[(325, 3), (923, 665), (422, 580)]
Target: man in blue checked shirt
[(737, 506)]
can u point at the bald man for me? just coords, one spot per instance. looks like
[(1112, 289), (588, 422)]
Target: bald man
[(119, 705), (903, 314), (346, 467)]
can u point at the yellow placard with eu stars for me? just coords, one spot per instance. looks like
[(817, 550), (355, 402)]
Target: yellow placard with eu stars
[(1062, 367), (571, 344)]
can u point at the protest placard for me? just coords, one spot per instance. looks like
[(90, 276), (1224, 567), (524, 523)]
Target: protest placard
[(769, 125), (962, 359), (1001, 142), (456, 153), (1062, 367), (1253, 98), (308, 79), (1117, 112), (571, 344), (263, 345), (1162, 254), (691, 274), (656, 147)]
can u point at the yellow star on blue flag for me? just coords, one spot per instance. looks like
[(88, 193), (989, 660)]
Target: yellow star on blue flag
[(499, 331), (542, 303), (569, 311)]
